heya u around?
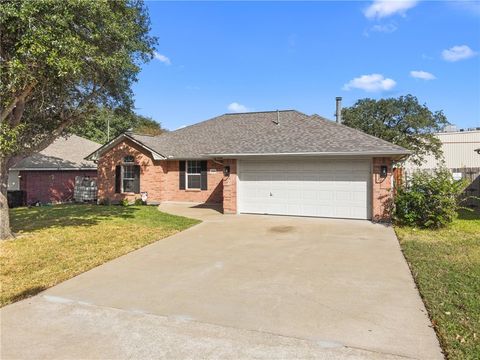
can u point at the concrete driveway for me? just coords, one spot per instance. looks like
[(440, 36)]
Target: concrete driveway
[(235, 287)]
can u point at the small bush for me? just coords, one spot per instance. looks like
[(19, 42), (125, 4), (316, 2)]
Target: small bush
[(139, 202), (104, 201), (431, 200), (124, 202)]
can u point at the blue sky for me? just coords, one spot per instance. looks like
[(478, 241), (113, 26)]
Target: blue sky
[(218, 57)]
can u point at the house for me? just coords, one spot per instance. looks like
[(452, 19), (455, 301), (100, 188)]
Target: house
[(49, 176), (274, 162)]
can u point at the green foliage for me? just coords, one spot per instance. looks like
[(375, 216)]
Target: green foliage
[(431, 200), (62, 59), (124, 202), (139, 202), (8, 138), (402, 121), (119, 121)]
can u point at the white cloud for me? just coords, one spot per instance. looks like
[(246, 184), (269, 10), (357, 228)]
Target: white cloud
[(385, 28), (385, 8), (237, 108), (458, 52), (162, 58), (419, 74), (371, 83)]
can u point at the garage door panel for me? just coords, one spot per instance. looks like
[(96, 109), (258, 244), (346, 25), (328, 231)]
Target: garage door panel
[(305, 187)]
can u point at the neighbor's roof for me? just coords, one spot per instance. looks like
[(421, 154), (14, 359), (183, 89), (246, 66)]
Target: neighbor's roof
[(259, 133), (62, 154)]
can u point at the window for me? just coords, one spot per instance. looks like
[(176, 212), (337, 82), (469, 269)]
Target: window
[(128, 178), (128, 159), (193, 174)]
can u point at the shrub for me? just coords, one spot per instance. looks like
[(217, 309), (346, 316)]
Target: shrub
[(430, 200), (124, 202), (139, 202), (104, 201)]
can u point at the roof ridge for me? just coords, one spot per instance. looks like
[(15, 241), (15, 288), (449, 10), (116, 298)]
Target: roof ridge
[(334, 123), (262, 112)]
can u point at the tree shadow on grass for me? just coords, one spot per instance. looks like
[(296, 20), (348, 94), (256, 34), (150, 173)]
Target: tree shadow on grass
[(43, 217), (473, 214)]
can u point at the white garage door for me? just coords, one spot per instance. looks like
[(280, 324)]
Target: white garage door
[(328, 188)]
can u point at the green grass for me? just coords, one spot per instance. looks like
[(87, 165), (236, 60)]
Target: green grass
[(446, 266), (55, 243)]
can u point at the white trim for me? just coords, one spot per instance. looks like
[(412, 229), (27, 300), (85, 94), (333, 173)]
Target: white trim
[(237, 190), (52, 169), (186, 175), (95, 155), (359, 153)]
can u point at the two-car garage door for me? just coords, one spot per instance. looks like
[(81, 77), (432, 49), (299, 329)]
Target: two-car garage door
[(327, 188)]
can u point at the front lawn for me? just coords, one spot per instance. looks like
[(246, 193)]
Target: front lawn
[(446, 267), (55, 243)]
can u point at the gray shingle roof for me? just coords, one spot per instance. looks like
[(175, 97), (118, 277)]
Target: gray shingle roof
[(63, 153), (258, 133)]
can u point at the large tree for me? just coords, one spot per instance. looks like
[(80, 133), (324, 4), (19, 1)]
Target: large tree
[(402, 121), (61, 60), (106, 124)]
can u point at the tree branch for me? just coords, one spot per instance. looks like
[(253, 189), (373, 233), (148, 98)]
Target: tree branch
[(20, 99)]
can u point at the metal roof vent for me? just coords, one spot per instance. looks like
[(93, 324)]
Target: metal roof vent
[(276, 122)]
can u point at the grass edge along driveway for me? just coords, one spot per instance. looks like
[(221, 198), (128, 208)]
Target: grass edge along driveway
[(446, 266), (56, 243)]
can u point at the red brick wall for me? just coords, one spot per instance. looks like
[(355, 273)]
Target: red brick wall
[(230, 188), (160, 178), (50, 186), (382, 190), (214, 194), (151, 172)]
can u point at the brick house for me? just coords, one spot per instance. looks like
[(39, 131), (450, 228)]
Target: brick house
[(277, 162), (49, 175)]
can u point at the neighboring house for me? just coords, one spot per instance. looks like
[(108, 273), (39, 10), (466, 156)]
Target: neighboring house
[(459, 151), (49, 176), (278, 162)]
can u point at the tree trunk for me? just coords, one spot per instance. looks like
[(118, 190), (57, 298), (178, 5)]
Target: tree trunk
[(5, 232)]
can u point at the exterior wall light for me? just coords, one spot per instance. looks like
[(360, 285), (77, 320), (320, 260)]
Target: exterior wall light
[(226, 170), (383, 171)]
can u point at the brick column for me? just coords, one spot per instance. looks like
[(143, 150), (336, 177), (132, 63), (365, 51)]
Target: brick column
[(230, 188), (382, 190)]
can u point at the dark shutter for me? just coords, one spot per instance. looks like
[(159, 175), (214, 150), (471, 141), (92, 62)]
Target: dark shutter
[(118, 179), (203, 177), (181, 174), (136, 181)]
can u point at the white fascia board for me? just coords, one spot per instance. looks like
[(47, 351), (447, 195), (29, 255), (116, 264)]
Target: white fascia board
[(95, 155), (360, 153), (53, 169)]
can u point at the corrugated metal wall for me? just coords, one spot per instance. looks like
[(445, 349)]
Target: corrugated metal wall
[(458, 151)]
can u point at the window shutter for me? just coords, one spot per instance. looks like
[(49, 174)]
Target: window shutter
[(203, 177), (118, 179), (181, 174), (136, 181)]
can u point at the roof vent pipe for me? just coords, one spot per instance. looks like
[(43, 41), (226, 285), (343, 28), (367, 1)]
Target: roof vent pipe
[(338, 111), (278, 118)]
